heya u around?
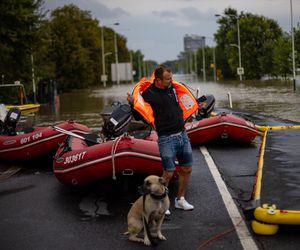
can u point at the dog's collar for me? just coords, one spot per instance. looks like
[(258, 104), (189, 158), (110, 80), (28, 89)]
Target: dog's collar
[(143, 191), (159, 197), (155, 196)]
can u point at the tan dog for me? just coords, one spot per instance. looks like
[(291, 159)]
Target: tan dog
[(149, 209)]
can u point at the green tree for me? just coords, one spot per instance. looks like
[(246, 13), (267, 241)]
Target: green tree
[(224, 37), (137, 58), (18, 38), (75, 47), (282, 59), (257, 35), (297, 45)]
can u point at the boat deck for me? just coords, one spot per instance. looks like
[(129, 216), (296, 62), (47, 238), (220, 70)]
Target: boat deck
[(40, 213)]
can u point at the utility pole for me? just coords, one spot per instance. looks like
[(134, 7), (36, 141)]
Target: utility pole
[(203, 59), (293, 45), (33, 78), (214, 62), (240, 69), (103, 76), (116, 55), (239, 47)]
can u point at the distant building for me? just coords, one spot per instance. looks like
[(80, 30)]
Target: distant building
[(193, 42)]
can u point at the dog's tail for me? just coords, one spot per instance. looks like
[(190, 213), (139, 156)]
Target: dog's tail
[(153, 243), (126, 233)]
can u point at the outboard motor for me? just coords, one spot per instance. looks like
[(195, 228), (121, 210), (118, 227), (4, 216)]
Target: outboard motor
[(8, 126), (118, 121), (206, 106)]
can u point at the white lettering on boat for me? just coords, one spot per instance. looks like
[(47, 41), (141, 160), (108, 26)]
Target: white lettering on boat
[(74, 158), (191, 125), (31, 138)]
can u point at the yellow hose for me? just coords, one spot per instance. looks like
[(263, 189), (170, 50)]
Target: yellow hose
[(283, 127), (257, 188)]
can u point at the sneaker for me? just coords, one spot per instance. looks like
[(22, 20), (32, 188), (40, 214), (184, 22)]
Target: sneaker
[(183, 204), (168, 213)]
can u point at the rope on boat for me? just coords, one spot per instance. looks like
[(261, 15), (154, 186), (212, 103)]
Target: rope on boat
[(113, 153)]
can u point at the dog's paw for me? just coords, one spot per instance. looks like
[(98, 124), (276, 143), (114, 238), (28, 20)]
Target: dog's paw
[(161, 237), (147, 242), (136, 239)]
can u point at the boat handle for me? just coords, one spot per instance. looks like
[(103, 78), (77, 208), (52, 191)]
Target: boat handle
[(127, 172)]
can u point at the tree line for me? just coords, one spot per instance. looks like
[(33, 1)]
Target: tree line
[(65, 44), (266, 50)]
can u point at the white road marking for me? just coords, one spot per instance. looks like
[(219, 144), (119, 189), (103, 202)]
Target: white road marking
[(241, 228)]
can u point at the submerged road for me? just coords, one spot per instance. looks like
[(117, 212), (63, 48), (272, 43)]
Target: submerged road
[(37, 212)]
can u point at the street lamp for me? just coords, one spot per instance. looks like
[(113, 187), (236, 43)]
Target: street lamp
[(203, 58), (214, 57), (103, 76), (293, 45), (240, 70), (116, 55), (33, 78), (215, 66), (131, 62)]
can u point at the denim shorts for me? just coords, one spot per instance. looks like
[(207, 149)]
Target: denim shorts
[(176, 146)]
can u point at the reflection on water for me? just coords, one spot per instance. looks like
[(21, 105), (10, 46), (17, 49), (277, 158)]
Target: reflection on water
[(93, 206), (276, 99), (84, 106)]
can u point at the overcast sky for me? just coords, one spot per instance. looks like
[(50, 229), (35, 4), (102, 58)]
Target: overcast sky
[(157, 27)]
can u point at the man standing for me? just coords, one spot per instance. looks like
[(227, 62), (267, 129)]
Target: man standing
[(167, 104)]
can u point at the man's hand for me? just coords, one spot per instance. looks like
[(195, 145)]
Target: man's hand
[(130, 98)]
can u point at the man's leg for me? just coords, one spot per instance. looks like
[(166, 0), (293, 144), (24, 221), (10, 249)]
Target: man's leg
[(184, 176), (168, 176)]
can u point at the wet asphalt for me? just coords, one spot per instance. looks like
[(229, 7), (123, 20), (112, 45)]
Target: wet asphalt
[(38, 212)]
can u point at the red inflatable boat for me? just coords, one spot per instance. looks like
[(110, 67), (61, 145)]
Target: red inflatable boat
[(224, 126), (77, 163), (36, 142)]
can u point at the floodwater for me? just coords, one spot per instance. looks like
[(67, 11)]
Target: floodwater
[(271, 98), (103, 206)]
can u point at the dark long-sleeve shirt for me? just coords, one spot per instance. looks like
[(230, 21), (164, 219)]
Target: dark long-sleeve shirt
[(168, 116)]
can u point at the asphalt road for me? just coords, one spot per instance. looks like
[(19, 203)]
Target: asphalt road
[(37, 212)]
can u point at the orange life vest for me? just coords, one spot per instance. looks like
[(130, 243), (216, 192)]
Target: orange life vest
[(187, 101)]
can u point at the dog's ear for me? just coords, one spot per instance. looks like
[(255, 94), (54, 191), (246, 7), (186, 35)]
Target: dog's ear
[(162, 180)]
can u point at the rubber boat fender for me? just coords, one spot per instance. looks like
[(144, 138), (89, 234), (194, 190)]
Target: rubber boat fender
[(270, 214), (264, 228)]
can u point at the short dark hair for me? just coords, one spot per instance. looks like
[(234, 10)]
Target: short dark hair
[(159, 71)]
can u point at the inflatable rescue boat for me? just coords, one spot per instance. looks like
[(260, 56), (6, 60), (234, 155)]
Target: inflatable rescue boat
[(31, 142)]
